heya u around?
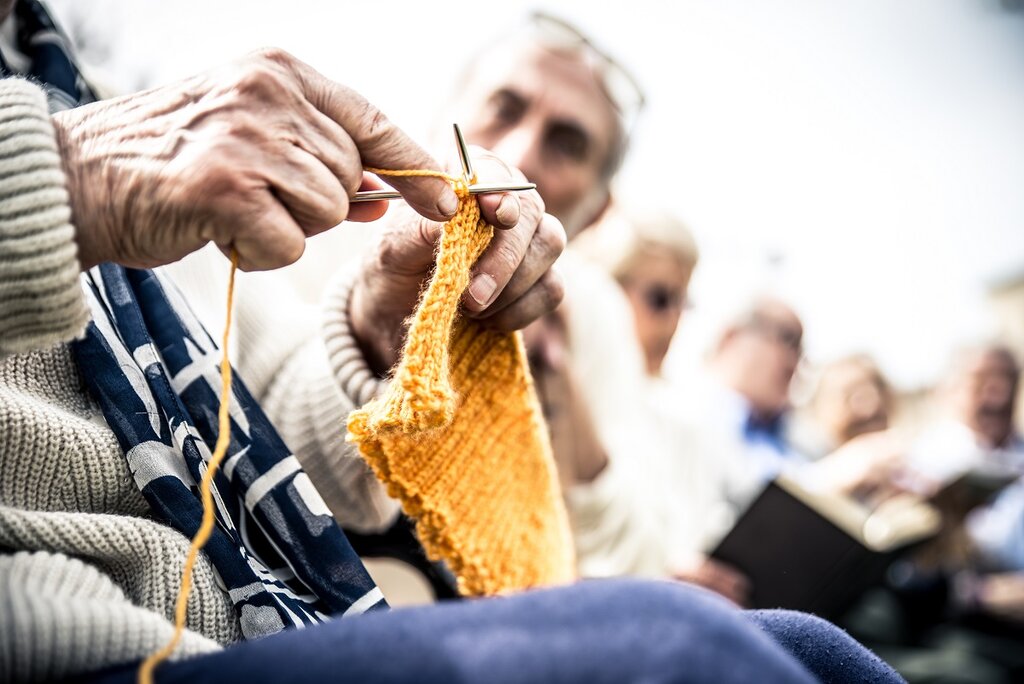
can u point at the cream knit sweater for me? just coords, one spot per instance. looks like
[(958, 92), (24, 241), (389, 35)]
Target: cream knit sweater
[(87, 578)]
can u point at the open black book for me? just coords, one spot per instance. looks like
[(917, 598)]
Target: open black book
[(972, 488), (817, 553)]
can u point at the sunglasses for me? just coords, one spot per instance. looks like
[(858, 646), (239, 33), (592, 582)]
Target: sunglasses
[(622, 89), (659, 299)]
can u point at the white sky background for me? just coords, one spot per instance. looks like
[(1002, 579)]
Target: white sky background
[(864, 158)]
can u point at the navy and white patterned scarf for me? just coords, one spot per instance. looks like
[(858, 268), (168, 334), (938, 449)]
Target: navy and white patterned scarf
[(155, 372), (50, 62)]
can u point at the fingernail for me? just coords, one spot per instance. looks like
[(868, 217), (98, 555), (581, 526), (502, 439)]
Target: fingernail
[(482, 289), (449, 203), (508, 210)]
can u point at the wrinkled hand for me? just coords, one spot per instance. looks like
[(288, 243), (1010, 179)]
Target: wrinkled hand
[(719, 577), (872, 467), (257, 156), (512, 283)]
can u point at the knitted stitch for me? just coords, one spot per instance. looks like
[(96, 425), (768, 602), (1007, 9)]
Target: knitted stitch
[(459, 439)]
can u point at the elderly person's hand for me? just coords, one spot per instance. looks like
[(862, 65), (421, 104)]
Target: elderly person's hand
[(255, 156), (872, 468), (512, 282), (719, 577)]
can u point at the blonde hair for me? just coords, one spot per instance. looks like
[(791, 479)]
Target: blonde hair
[(623, 237), (860, 361)]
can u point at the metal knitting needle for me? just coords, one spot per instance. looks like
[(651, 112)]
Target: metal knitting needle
[(480, 189), (468, 173), (467, 165)]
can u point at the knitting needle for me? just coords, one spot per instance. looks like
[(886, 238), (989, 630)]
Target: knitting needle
[(467, 165), (468, 174), (480, 189)]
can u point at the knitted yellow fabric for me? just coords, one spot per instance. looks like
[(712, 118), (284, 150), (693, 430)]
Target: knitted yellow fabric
[(459, 439)]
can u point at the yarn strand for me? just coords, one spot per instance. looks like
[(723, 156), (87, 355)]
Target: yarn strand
[(209, 519), (413, 173)]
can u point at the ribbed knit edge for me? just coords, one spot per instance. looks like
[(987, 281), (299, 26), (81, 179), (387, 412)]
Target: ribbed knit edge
[(310, 400), (41, 302), (67, 618), (347, 361)]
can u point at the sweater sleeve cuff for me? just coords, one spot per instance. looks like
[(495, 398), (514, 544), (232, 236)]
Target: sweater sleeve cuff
[(588, 501), (346, 359), (41, 301)]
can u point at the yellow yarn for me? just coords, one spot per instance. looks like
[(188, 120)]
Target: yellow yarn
[(459, 437), (209, 520)]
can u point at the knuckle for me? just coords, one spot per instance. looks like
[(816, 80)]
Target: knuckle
[(378, 122), (553, 290), (242, 125), (393, 248), (336, 210), (377, 128), (290, 251), (388, 251), (261, 254), (504, 260), (350, 172), (219, 177), (275, 55), (535, 201), (255, 79), (551, 236)]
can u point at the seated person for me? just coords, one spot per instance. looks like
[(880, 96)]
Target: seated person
[(980, 397), (852, 408), (552, 103), (852, 398), (742, 400), (670, 497), (90, 566), (978, 438), (955, 608)]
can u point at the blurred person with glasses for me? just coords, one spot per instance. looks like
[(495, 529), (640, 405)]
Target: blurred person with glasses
[(742, 402), (670, 498), (547, 100)]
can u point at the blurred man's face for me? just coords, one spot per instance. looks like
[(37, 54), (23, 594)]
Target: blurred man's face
[(852, 400), (759, 357), (656, 288), (984, 395), (546, 113)]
